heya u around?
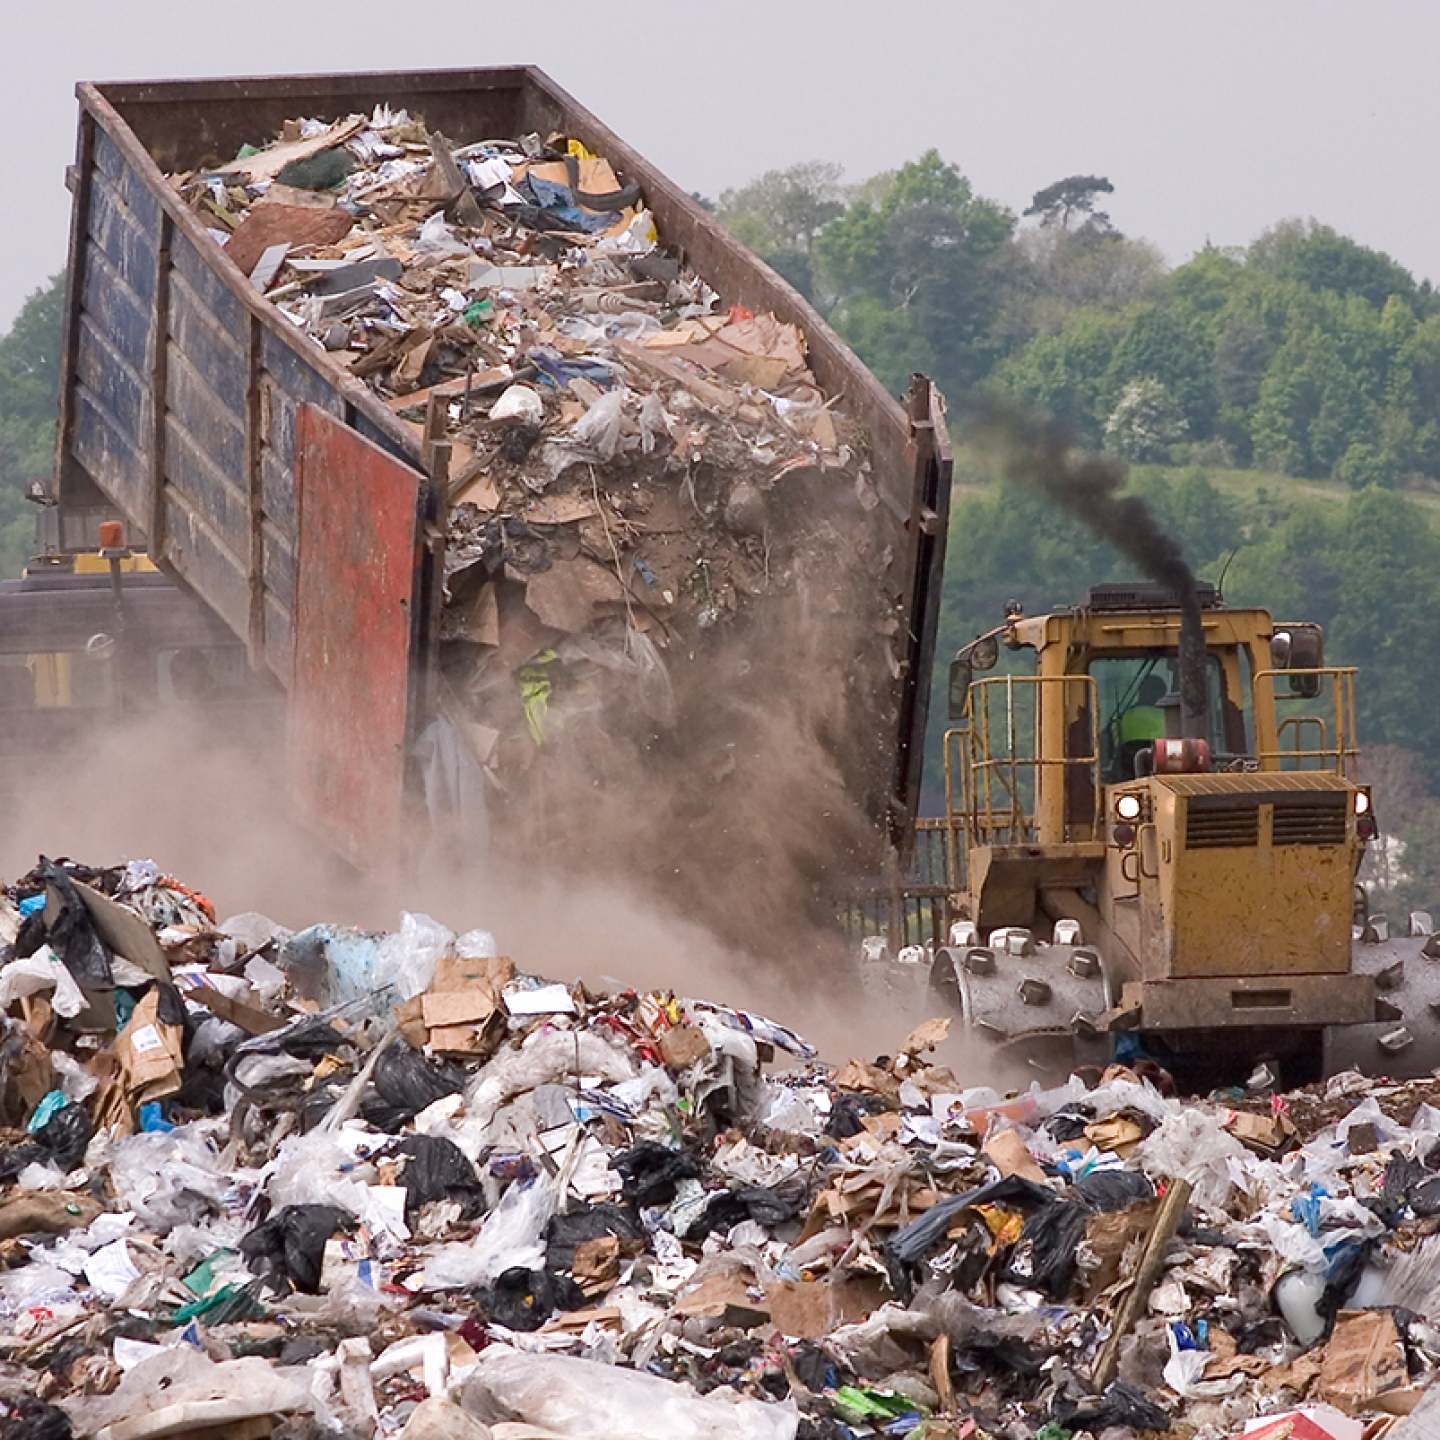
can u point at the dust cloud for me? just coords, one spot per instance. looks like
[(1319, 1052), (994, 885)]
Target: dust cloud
[(218, 815), (702, 844)]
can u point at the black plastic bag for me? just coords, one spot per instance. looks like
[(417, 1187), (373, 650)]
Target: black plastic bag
[(436, 1169), (1106, 1190), (1044, 1256), (768, 1206), (66, 1135), (525, 1299), (408, 1082), (1407, 1182), (289, 1248), (32, 1419), (1068, 1123), (817, 1369), (1425, 1197), (72, 934), (566, 1233), (848, 1112), (1121, 1404), (652, 1171), (912, 1244), (17, 1157), (1348, 1263)]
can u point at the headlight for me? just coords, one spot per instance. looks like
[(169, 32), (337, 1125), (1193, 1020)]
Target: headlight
[(1127, 807), (1362, 803)]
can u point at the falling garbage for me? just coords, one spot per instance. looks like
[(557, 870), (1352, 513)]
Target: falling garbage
[(636, 481)]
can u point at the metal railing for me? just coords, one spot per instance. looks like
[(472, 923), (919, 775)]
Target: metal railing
[(1343, 755), (913, 908), (1002, 754)]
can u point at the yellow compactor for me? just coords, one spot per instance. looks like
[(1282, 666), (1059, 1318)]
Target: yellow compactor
[(1157, 832)]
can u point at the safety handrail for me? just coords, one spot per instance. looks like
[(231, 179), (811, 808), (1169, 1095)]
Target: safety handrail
[(1344, 755), (993, 769)]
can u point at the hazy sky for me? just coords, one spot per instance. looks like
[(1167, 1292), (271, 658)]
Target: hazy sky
[(1214, 118)]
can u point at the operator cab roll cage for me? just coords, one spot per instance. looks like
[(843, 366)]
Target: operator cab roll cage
[(1007, 783)]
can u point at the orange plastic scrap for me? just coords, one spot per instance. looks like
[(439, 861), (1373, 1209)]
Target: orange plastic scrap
[(203, 901)]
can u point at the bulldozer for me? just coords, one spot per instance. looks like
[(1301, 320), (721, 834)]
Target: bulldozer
[(1153, 835)]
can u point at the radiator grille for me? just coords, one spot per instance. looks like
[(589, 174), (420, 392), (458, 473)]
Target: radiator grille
[(1320, 821), (1221, 829)]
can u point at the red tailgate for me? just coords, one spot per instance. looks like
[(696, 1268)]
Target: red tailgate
[(355, 623)]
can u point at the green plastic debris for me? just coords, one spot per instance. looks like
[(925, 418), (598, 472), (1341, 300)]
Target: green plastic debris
[(860, 1407), (535, 689), (201, 1280), (317, 172), (229, 1303), (246, 151), (478, 313), (1051, 1431)]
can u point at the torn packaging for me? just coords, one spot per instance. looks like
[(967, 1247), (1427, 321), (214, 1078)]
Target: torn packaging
[(1363, 1359), (150, 1052)]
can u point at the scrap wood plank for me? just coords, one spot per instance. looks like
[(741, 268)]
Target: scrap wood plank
[(1167, 1221)]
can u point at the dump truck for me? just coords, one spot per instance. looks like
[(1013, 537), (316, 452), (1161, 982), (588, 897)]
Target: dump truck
[(1152, 835), (269, 480)]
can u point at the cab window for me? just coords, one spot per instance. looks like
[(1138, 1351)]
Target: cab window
[(1140, 703)]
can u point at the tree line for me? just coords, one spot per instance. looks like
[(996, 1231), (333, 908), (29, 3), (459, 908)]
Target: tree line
[(29, 390), (1305, 352)]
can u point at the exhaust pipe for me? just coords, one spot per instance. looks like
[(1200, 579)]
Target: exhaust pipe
[(1193, 703)]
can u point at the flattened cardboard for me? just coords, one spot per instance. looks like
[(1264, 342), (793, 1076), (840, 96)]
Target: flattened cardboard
[(726, 1298), (149, 1053), (810, 1309), (1006, 1151), (457, 1007), (1363, 1359), (125, 931)]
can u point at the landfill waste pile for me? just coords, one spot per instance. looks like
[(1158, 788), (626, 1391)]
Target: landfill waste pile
[(640, 483), (257, 1183)]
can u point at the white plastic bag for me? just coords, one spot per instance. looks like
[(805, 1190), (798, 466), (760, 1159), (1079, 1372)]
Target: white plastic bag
[(312, 1169), (598, 429), (1190, 1145), (548, 1057), (654, 422), (582, 1400), (1184, 1371), (512, 1236), (168, 1179), (40, 972), (476, 945), (437, 238), (520, 403), (407, 958), (76, 1082), (253, 931)]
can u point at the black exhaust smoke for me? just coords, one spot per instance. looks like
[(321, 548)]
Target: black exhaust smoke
[(1041, 453)]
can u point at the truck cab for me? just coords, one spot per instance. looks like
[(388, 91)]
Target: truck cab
[(89, 641)]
